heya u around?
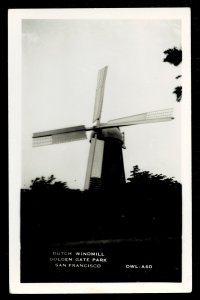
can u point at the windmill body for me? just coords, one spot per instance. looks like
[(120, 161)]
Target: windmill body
[(105, 168)]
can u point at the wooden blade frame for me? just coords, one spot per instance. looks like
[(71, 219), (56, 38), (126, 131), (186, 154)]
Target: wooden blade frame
[(149, 117), (99, 94), (59, 136), (95, 160)]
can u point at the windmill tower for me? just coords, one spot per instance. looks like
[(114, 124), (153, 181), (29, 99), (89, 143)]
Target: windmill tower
[(105, 168)]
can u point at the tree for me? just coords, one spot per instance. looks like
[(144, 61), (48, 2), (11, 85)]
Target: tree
[(145, 177), (174, 56), (49, 184), (134, 173), (178, 92)]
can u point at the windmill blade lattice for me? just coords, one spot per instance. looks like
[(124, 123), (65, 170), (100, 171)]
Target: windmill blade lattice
[(149, 117), (99, 93), (59, 136)]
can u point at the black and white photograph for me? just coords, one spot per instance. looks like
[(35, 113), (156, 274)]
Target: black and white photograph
[(100, 162)]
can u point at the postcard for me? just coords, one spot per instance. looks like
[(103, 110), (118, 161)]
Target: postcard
[(100, 150)]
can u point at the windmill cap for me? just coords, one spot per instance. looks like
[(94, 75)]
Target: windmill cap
[(112, 133)]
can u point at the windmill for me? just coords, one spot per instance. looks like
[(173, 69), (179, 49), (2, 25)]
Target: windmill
[(105, 168)]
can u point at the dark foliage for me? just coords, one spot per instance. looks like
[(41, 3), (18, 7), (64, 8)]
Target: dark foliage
[(173, 56), (142, 207), (178, 92), (139, 177), (41, 184)]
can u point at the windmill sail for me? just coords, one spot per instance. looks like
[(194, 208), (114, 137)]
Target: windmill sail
[(99, 93), (149, 117), (59, 136), (95, 159)]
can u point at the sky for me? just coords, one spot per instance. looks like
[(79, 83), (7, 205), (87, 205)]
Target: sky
[(60, 62)]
